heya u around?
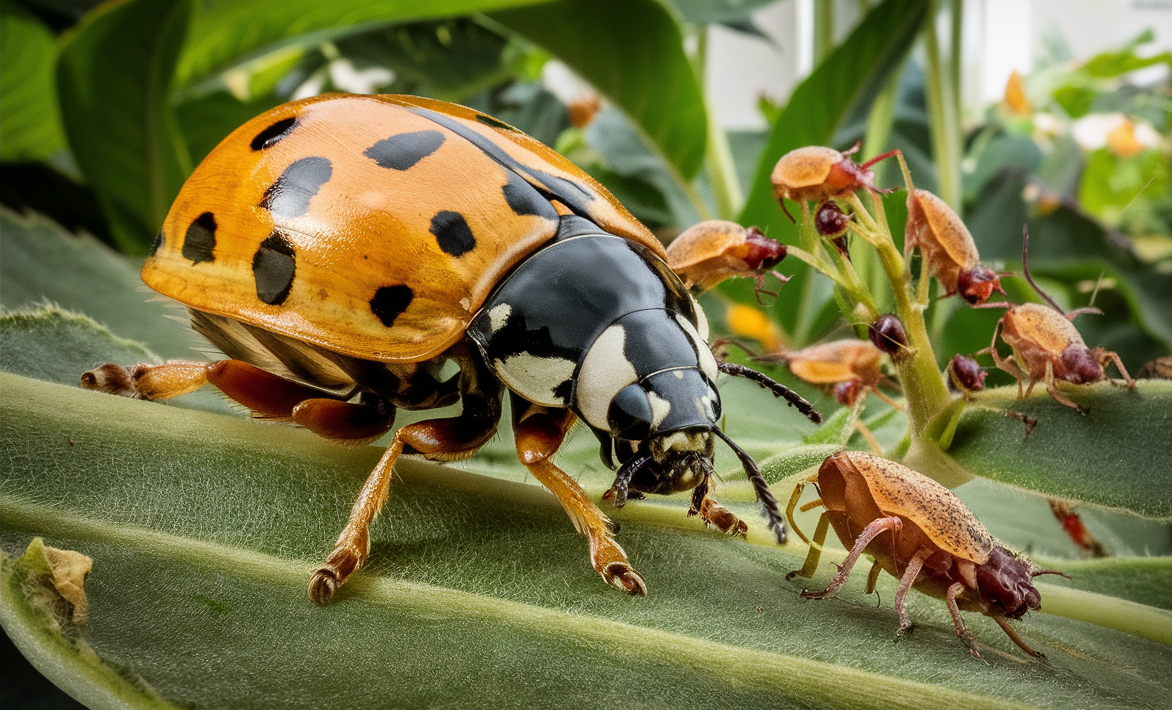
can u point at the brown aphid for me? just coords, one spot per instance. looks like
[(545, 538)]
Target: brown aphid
[(947, 246), (1075, 529), (1047, 347), (921, 534), (968, 377), (712, 251), (819, 173), (887, 334), (1158, 369), (852, 367)]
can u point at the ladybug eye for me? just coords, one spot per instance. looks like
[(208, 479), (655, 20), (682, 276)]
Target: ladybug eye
[(630, 415)]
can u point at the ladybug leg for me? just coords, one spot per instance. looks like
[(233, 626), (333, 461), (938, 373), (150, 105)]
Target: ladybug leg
[(144, 381), (538, 432), (714, 514), (436, 439), (873, 530)]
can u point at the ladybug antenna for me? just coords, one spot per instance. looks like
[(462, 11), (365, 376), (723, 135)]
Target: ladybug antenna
[(618, 489), (760, 487), (794, 399), (1025, 268)]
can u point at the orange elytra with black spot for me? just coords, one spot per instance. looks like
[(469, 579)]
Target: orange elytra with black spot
[(372, 226)]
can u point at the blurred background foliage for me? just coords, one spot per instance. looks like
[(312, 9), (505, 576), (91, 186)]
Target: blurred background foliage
[(106, 107)]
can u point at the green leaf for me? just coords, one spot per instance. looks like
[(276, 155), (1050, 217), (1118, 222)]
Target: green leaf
[(40, 262), (632, 52), (114, 82), (226, 33), (202, 529), (1068, 455), (30, 125)]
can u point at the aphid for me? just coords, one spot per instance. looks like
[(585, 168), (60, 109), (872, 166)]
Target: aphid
[(965, 374), (1074, 528), (831, 223), (342, 249), (819, 173), (887, 334), (712, 251), (948, 248), (968, 377), (1158, 369), (852, 367), (920, 533), (1046, 345)]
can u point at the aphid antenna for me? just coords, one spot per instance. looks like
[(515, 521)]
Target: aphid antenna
[(877, 158), (1025, 269)]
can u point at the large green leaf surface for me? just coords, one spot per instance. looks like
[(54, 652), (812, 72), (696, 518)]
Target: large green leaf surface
[(203, 529)]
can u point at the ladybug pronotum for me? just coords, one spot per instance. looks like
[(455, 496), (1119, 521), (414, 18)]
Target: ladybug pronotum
[(919, 532), (341, 249)]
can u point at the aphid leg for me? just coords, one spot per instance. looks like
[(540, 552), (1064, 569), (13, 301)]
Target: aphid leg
[(962, 631), (436, 439), (811, 563), (914, 565), (779, 390), (873, 576), (1015, 638), (793, 502), (873, 530), (539, 432), (712, 513), (144, 381), (1058, 396), (1112, 357), (1030, 422)]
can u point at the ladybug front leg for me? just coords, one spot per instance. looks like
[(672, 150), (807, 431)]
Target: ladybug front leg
[(436, 439), (539, 432), (714, 514)]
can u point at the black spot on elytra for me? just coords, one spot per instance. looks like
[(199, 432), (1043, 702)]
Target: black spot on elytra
[(404, 150), (524, 199), (274, 133), (390, 301), (452, 233), (273, 268), (289, 196), (200, 240), (495, 123), (157, 244), (576, 196)]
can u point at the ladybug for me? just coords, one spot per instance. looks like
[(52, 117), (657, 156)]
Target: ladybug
[(340, 250)]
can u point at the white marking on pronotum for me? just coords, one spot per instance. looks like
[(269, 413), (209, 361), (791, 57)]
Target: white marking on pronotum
[(498, 315), (535, 378), (660, 408), (605, 371), (703, 354)]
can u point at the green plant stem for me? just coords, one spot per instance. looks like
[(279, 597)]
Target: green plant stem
[(944, 121), (718, 160), (923, 385), (956, 16), (823, 29)]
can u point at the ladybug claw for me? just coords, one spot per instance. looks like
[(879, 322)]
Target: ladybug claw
[(322, 586), (623, 577)]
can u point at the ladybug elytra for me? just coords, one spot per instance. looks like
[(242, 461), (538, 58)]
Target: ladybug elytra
[(341, 249)]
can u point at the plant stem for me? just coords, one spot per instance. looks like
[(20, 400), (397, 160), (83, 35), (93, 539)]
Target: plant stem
[(823, 29), (923, 385), (945, 124), (718, 160)]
